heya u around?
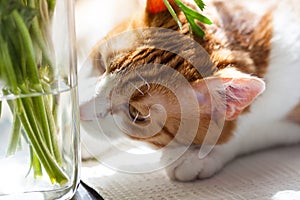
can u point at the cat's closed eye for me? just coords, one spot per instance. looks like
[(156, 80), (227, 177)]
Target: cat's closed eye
[(136, 115)]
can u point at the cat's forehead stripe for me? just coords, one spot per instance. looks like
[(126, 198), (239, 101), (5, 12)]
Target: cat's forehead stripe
[(149, 55)]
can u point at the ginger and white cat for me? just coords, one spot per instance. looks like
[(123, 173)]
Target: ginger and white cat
[(247, 81)]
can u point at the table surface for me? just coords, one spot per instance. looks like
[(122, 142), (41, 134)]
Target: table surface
[(259, 176)]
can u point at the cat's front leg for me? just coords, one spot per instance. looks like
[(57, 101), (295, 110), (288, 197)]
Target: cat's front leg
[(191, 165)]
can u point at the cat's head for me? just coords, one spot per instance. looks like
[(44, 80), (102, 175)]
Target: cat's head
[(154, 80)]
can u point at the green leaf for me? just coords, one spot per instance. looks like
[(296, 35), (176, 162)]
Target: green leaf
[(195, 27), (197, 16), (200, 4), (192, 15), (172, 12)]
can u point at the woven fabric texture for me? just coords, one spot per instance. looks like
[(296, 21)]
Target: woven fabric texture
[(257, 176)]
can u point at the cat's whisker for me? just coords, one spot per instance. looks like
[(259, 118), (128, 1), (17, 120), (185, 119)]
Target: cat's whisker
[(149, 114), (149, 94), (146, 82), (138, 115), (138, 89)]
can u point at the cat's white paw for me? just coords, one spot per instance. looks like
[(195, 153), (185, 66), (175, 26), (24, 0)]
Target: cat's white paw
[(190, 166)]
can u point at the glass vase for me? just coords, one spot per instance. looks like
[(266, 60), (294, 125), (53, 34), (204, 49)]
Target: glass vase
[(39, 123)]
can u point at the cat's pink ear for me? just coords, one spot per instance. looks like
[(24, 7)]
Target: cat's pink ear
[(237, 93), (155, 6)]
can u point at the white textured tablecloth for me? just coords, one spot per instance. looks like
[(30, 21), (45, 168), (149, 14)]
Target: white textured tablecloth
[(257, 176)]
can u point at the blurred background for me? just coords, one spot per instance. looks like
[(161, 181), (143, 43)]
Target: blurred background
[(94, 18)]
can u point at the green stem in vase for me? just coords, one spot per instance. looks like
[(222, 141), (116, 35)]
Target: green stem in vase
[(52, 128), (15, 135), (40, 111), (56, 175), (37, 33), (35, 164), (6, 65), (25, 50), (31, 65)]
